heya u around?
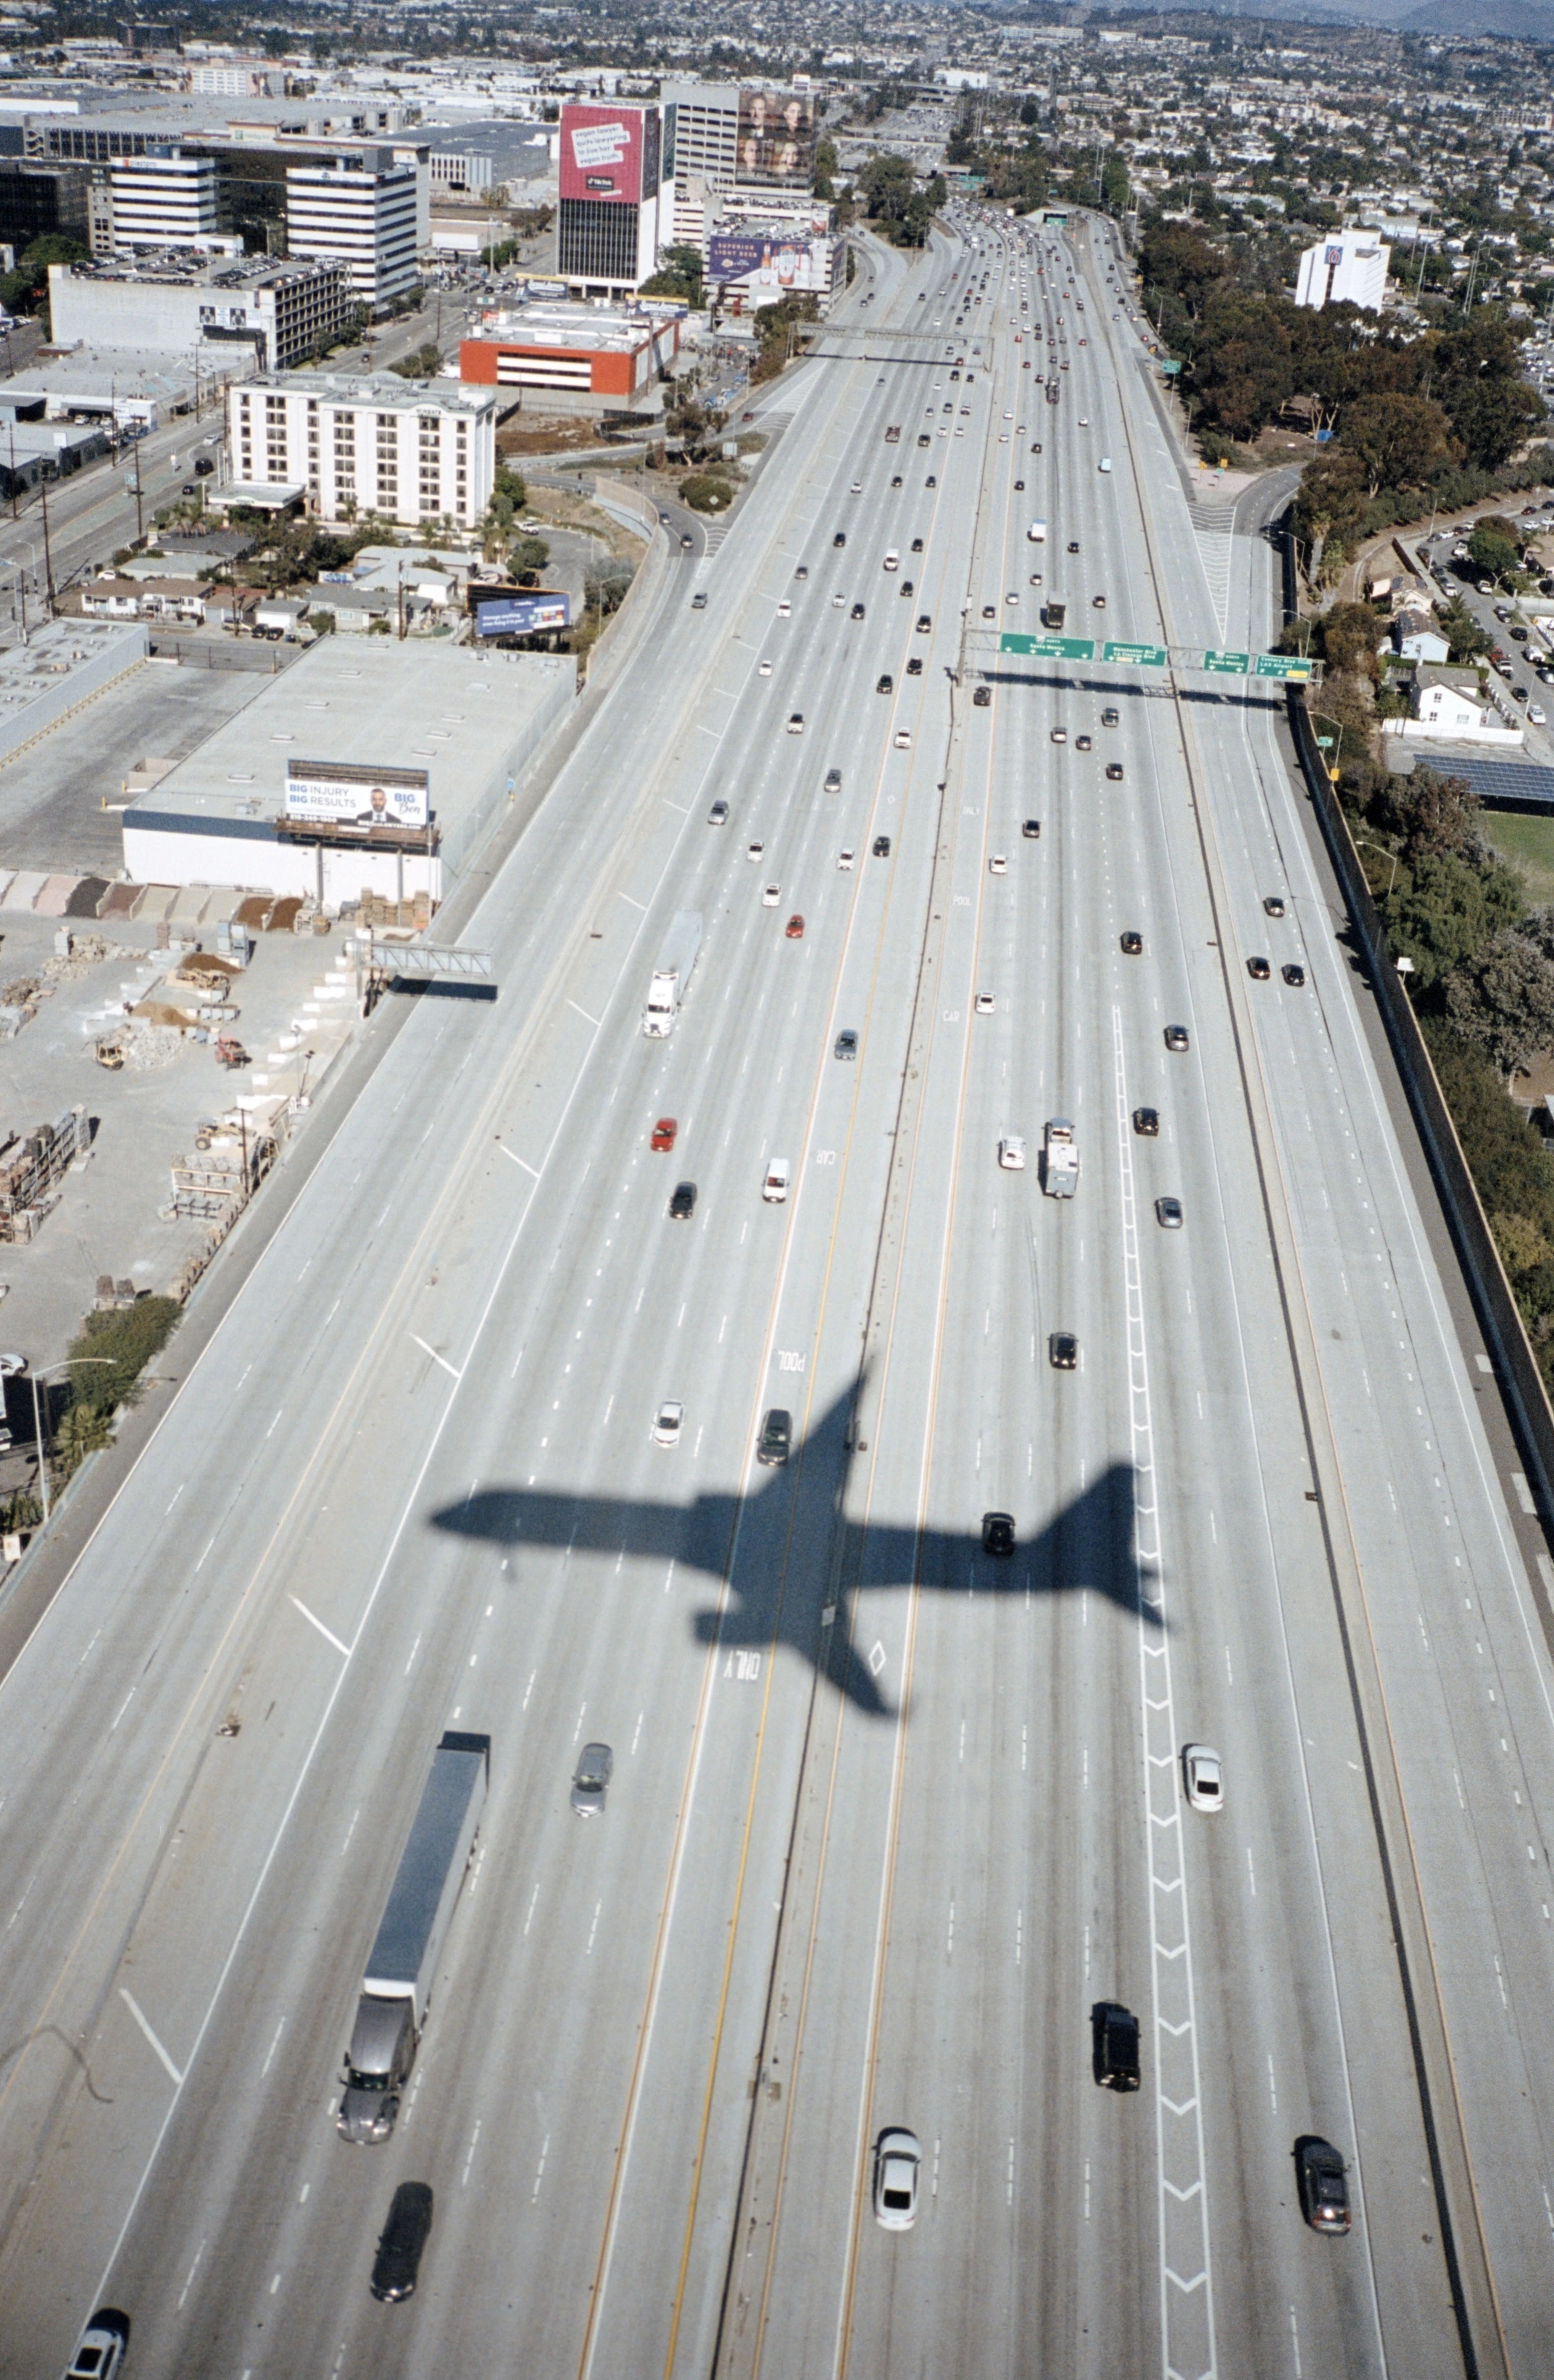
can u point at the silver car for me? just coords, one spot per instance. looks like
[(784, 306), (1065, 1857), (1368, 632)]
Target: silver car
[(1167, 1214), (897, 2163), (591, 1781)]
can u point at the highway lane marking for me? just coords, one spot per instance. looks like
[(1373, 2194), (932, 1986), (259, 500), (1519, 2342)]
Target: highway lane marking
[(133, 2006), (519, 1160), (344, 1649), (583, 1014), (435, 1356)]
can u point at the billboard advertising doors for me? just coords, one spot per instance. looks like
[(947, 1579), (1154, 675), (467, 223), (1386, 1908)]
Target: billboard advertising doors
[(521, 615), (776, 140), (330, 793), (601, 154)]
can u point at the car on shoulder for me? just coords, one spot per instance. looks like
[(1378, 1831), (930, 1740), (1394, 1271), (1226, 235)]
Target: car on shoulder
[(1324, 2191), (1176, 1037), (664, 1133), (1258, 969), (1147, 1123), (998, 1535), (1062, 1351), (1293, 974)]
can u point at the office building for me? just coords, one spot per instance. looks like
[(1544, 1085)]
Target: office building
[(705, 120), (167, 201), (38, 200), (279, 311), (617, 206), (365, 220), (1348, 269), (414, 451)]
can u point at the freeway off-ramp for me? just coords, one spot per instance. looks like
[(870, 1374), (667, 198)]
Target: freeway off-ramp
[(887, 1818)]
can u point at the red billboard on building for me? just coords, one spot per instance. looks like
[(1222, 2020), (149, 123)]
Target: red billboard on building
[(601, 152)]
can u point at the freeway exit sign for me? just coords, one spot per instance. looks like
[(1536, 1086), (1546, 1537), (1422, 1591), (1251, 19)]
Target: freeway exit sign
[(1141, 656), (1286, 665), (1049, 648), (1230, 664)]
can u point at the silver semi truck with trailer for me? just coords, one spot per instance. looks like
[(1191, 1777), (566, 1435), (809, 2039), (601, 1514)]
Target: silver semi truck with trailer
[(672, 974), (397, 1988)]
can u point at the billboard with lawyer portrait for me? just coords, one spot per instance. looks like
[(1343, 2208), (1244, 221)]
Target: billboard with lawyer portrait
[(331, 793), (776, 140), (601, 154)]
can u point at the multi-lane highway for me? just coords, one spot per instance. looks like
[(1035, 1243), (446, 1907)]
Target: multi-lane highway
[(890, 1816)]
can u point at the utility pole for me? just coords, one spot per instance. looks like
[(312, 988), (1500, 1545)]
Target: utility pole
[(48, 556)]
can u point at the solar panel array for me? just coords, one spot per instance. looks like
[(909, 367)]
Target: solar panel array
[(1500, 785)]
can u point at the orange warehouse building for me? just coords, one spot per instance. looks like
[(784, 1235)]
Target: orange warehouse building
[(574, 359)]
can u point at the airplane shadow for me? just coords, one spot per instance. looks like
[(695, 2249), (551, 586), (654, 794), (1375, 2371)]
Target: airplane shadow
[(791, 1585)]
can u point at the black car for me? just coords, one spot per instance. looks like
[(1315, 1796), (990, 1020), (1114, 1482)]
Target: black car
[(931, 481), (775, 1443), (1324, 2194), (917, 545), (1073, 545), (1133, 944), (1258, 969), (886, 684), (998, 1533), (682, 1206), (881, 846), (982, 698), (1293, 974), (1147, 1123), (841, 537), (1176, 1037), (897, 480), (915, 666), (1114, 2040), (1274, 905), (846, 1044), (856, 612), (1031, 829), (1062, 1351), (398, 2260), (203, 466), (1115, 772)]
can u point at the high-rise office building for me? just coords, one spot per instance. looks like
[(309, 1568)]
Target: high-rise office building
[(164, 201), (616, 200), (366, 219)]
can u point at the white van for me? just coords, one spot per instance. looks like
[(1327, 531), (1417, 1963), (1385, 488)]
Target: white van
[(1037, 534), (892, 560), (1106, 462), (774, 1189)]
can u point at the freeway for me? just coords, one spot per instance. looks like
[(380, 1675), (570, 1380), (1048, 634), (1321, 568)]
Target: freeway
[(889, 1817)]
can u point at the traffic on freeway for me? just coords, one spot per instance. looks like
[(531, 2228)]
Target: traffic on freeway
[(828, 1670)]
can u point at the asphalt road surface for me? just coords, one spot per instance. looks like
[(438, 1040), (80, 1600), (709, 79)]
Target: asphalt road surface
[(890, 1817)]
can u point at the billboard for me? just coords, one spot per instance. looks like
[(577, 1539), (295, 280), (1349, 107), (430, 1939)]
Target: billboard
[(331, 793), (601, 152), (521, 615), (546, 293), (770, 264), (776, 140)]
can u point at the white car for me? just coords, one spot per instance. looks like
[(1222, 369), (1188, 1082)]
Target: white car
[(764, 669), (845, 859), (666, 1424), (998, 864), (1201, 1775), (1106, 463), (104, 2344), (785, 609), (795, 723), (985, 1004), (897, 2163), (774, 1189), (753, 850), (1538, 714), (902, 739), (838, 602), (857, 487), (770, 897), (1012, 1153)]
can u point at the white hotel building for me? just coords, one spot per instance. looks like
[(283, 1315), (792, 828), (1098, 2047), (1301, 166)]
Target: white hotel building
[(416, 452)]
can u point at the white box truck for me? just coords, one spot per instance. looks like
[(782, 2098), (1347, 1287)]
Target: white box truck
[(1059, 1164), (1037, 534), (672, 974), (402, 1967)]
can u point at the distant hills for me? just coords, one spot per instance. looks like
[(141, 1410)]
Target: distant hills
[(1528, 21)]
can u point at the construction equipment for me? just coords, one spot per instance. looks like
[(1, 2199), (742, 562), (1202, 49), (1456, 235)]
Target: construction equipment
[(230, 1050), (110, 1054)]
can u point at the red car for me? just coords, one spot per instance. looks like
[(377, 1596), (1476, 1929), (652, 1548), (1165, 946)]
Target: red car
[(796, 930), (665, 1132)]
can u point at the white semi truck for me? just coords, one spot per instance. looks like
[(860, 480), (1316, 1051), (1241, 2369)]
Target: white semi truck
[(402, 1967), (672, 974), (1060, 1165)]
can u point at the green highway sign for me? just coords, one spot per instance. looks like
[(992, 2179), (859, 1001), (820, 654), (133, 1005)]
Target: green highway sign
[(1141, 656), (1287, 665), (1171, 367), (1230, 664), (1049, 648)]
